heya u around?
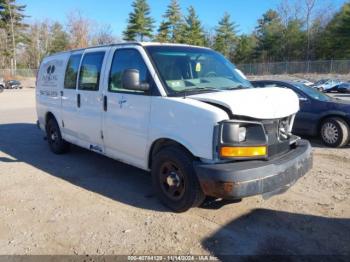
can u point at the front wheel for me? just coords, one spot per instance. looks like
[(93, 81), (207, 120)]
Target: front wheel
[(334, 132), (175, 181)]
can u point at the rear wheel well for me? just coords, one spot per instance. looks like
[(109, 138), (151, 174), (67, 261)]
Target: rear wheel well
[(330, 116), (48, 117), (162, 143)]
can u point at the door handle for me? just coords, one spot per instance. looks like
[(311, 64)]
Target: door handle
[(105, 107), (78, 100)]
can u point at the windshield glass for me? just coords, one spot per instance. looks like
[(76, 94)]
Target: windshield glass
[(191, 69), (312, 92)]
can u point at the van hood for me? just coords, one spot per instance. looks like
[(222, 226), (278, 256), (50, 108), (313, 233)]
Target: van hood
[(260, 103)]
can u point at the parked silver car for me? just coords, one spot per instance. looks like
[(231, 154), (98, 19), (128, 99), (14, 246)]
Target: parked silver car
[(13, 84), (327, 85)]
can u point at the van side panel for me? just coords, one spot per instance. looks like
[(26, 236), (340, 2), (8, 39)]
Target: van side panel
[(186, 121), (49, 86)]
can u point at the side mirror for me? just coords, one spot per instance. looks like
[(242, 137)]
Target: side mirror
[(131, 80)]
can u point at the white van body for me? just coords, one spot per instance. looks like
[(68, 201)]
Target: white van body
[(128, 126)]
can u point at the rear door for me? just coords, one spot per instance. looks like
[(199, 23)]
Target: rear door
[(89, 98), (49, 86)]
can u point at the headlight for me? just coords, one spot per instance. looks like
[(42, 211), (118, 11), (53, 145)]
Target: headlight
[(242, 139), (234, 132)]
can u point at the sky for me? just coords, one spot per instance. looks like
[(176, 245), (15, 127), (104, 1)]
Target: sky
[(115, 12)]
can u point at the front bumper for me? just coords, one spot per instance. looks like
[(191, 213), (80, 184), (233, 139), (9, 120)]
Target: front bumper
[(247, 178)]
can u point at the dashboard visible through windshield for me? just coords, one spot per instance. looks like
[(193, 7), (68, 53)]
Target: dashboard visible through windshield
[(194, 70)]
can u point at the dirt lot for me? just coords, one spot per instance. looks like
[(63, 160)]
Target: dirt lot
[(83, 203)]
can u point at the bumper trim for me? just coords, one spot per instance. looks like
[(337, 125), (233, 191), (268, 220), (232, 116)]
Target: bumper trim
[(247, 178)]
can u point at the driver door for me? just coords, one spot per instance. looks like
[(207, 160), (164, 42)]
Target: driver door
[(126, 113)]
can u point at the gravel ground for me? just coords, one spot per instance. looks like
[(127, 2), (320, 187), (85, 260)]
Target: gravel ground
[(84, 203)]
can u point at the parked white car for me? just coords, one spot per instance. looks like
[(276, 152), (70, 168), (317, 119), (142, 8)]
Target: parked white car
[(304, 81), (182, 112), (2, 83)]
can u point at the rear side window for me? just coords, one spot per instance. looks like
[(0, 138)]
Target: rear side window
[(70, 79), (126, 59), (90, 71)]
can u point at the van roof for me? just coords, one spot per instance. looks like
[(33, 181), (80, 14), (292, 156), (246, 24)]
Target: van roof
[(128, 43)]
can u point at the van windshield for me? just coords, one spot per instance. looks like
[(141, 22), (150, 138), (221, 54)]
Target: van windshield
[(186, 70)]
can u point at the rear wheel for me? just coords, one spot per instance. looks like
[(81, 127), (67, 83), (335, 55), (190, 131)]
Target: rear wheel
[(56, 143), (174, 179), (334, 132)]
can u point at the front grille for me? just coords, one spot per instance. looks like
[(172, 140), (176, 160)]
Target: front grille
[(277, 132), (271, 130)]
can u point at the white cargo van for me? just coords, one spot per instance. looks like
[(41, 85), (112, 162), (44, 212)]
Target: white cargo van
[(183, 112)]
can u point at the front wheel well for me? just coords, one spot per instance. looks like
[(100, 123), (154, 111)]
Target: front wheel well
[(162, 143)]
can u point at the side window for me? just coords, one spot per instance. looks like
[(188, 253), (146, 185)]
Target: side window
[(90, 71), (70, 79), (126, 59)]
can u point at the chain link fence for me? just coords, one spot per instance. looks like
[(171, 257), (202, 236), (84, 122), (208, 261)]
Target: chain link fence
[(19, 73), (302, 67), (278, 68)]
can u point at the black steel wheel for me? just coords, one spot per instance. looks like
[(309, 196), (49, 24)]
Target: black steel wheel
[(174, 179), (54, 138)]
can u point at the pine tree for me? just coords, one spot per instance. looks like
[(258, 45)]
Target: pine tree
[(192, 30), (293, 41), (245, 49), (225, 38), (59, 39), (163, 33), (335, 39), (269, 35), (140, 23), (174, 18), (11, 20)]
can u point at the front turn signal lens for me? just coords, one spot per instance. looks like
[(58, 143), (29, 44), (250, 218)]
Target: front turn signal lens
[(243, 151)]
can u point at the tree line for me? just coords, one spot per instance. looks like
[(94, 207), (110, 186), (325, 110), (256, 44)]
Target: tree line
[(297, 30)]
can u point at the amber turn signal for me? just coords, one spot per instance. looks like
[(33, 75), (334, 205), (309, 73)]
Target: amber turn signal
[(243, 151)]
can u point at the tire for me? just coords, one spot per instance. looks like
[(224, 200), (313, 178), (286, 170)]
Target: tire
[(334, 132), (54, 138), (174, 179)]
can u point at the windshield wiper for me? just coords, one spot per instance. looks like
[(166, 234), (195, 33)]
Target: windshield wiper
[(237, 87), (198, 89)]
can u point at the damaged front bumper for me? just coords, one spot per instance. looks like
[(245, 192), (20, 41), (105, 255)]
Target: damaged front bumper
[(247, 178)]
